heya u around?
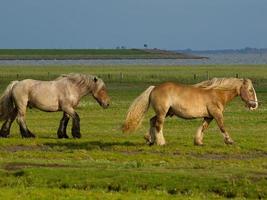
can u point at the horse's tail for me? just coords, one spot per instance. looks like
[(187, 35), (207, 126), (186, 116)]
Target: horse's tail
[(6, 102), (137, 111)]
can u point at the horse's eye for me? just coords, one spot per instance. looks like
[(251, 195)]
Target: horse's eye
[(251, 90)]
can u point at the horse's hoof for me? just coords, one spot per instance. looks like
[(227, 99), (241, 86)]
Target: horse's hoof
[(3, 135), (62, 136), (147, 139), (229, 142), (198, 143), (77, 136), (151, 144), (161, 143), (26, 136), (31, 135)]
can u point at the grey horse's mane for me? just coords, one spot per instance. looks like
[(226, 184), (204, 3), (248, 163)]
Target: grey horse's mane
[(81, 80), (220, 83), (78, 79)]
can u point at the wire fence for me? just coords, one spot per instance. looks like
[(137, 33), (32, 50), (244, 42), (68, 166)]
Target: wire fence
[(121, 77)]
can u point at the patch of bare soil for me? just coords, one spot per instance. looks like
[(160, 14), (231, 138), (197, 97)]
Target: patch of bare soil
[(18, 166), (241, 156), (258, 176), (15, 148)]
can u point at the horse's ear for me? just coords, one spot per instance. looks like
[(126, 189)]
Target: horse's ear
[(95, 79), (245, 81)]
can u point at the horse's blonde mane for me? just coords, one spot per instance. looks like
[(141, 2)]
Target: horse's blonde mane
[(220, 83)]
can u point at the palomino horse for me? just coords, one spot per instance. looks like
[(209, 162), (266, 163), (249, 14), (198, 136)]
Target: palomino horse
[(203, 100), (61, 94)]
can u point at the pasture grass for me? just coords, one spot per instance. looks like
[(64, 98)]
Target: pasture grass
[(107, 164)]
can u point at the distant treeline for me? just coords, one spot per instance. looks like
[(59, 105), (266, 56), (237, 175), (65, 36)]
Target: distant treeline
[(244, 50)]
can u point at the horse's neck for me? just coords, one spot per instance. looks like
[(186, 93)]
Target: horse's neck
[(228, 95), (83, 90)]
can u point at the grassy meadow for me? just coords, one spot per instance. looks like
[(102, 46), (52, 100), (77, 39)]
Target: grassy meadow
[(63, 54), (107, 164)]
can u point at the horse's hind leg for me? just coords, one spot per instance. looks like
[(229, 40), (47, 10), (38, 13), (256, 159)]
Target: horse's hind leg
[(155, 131), (159, 138), (150, 137), (24, 131), (62, 130), (200, 131), (5, 130)]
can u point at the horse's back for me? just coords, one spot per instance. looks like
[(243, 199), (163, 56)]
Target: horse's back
[(35, 93), (170, 90), (28, 86)]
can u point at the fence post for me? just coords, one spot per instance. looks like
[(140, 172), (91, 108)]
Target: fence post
[(121, 76), (17, 76), (236, 75), (195, 76), (208, 75)]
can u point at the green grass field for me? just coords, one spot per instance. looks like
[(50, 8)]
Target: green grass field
[(107, 164), (62, 54)]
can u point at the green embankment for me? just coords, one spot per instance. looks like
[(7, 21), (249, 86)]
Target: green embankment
[(107, 164), (63, 54)]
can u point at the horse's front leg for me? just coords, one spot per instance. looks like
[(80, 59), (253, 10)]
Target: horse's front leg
[(200, 131), (75, 130), (62, 129), (219, 119), (5, 130)]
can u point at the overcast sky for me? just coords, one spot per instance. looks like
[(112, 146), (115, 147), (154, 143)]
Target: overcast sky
[(166, 24)]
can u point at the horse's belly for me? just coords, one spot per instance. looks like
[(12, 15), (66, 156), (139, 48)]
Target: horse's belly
[(44, 105), (190, 113)]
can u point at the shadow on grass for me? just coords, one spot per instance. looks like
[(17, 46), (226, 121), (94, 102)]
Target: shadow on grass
[(90, 145)]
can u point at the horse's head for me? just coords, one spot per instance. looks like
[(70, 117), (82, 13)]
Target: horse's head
[(100, 93), (248, 94)]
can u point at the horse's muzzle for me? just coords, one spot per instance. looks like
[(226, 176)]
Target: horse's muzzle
[(105, 106), (252, 105), (102, 103)]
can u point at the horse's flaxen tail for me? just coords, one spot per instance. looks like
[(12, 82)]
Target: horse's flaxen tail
[(137, 111), (6, 102)]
